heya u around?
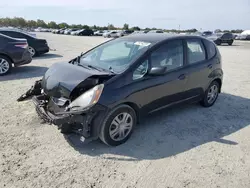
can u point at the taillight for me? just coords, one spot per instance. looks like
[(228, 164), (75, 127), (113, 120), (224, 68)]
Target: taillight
[(22, 45)]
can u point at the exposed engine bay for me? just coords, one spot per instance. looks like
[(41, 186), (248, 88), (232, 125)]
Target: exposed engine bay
[(66, 95)]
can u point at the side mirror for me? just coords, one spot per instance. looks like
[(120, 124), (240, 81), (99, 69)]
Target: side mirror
[(155, 71)]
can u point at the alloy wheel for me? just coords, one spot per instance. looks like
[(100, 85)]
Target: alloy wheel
[(4, 66), (31, 51), (212, 94), (121, 126)]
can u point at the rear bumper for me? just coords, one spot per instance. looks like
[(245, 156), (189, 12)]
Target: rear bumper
[(26, 59), (82, 123)]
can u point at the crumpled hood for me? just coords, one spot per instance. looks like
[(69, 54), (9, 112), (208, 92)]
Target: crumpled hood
[(62, 78)]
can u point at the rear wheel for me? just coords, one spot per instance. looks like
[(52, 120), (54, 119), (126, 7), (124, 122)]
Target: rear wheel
[(32, 51), (211, 94), (118, 125), (230, 43), (5, 65)]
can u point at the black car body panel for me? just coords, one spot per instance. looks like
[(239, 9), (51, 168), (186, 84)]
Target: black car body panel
[(63, 83), (62, 78), (40, 45), (10, 47), (85, 32)]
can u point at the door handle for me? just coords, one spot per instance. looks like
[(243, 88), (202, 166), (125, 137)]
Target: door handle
[(182, 77), (210, 66)]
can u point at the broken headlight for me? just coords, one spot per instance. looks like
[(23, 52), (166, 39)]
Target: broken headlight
[(87, 99)]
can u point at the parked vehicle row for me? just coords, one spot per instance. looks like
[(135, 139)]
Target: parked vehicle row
[(79, 32), (90, 32), (146, 72), (17, 47), (35, 46)]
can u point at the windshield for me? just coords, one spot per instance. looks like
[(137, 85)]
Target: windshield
[(115, 55)]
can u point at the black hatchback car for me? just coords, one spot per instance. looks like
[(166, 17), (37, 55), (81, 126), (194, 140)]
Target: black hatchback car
[(105, 92), (85, 32), (13, 52), (36, 46), (221, 38)]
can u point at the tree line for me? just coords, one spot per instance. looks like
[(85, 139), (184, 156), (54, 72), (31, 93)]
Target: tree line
[(21, 22)]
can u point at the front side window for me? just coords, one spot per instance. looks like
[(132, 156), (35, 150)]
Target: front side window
[(115, 55), (170, 55), (141, 70), (195, 51)]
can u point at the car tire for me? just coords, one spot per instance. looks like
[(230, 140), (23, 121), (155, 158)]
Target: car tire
[(230, 43), (109, 36), (5, 65), (32, 51), (118, 125), (218, 42), (211, 94)]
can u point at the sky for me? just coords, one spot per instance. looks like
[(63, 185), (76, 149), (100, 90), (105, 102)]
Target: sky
[(164, 14)]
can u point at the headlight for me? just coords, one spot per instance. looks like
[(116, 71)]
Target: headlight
[(87, 99)]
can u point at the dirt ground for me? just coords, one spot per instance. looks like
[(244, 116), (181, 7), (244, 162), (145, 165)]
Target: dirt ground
[(188, 146)]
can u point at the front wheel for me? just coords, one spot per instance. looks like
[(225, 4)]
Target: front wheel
[(218, 42), (211, 94), (118, 125)]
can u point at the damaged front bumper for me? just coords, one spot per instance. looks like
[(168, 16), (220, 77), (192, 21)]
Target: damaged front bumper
[(79, 122)]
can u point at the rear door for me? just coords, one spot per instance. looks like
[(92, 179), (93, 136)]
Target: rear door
[(199, 67)]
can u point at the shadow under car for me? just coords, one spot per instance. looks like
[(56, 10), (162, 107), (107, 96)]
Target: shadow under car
[(176, 130), (24, 72)]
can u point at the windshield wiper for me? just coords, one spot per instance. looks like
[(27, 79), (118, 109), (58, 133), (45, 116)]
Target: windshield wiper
[(93, 67), (84, 66)]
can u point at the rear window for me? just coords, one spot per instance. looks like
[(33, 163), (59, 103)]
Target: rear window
[(227, 35), (211, 49)]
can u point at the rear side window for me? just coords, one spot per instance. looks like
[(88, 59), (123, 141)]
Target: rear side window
[(211, 49), (195, 51)]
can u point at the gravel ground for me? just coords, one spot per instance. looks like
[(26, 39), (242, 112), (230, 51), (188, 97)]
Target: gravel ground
[(188, 146)]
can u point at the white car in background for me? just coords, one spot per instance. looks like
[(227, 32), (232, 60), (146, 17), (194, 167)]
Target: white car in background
[(113, 34), (99, 33), (68, 32)]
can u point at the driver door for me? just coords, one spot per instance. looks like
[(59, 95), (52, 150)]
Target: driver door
[(157, 92)]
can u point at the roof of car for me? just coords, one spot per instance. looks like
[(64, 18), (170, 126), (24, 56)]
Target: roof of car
[(157, 37)]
